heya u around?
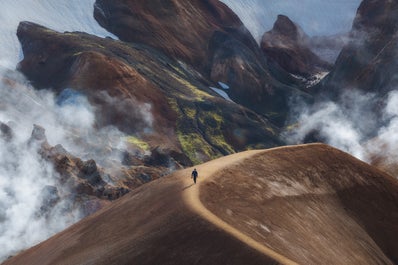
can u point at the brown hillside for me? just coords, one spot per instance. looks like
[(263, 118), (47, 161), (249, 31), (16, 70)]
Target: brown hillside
[(313, 204)]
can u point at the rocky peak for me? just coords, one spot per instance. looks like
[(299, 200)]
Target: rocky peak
[(288, 46), (5, 131), (377, 16), (369, 61), (38, 137), (285, 27), (206, 35), (179, 28)]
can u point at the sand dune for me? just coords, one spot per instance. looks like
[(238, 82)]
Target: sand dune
[(307, 204)]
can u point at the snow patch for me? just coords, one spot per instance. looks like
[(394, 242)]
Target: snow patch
[(311, 81), (223, 85), (221, 93)]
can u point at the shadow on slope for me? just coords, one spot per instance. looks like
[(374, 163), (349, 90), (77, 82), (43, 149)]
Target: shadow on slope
[(315, 204), (152, 225)]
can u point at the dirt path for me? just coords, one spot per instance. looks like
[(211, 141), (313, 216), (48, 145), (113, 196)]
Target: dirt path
[(192, 193)]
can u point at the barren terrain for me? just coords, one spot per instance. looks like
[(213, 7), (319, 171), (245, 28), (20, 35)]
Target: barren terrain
[(309, 204)]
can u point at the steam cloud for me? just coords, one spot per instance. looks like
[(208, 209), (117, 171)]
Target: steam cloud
[(351, 124), (71, 15), (27, 181)]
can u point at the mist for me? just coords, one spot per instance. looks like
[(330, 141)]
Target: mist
[(350, 124), (316, 18), (28, 183), (59, 15)]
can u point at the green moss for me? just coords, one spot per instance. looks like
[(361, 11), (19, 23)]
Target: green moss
[(179, 70), (213, 123), (190, 112), (200, 133), (219, 140), (137, 142), (199, 94), (195, 147)]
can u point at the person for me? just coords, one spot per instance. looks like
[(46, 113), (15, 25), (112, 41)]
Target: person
[(194, 175)]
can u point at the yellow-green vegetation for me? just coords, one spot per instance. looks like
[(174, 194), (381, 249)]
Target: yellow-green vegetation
[(190, 112), (174, 105), (199, 132), (194, 146), (212, 122), (137, 142), (292, 127), (199, 94), (177, 69)]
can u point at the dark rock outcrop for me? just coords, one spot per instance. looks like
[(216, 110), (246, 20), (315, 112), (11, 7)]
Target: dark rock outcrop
[(289, 46), (180, 29), (208, 36), (145, 94), (5, 131), (369, 62)]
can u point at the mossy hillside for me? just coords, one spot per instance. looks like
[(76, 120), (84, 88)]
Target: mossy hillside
[(137, 142), (200, 131), (212, 124)]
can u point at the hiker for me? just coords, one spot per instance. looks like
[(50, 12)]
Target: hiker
[(194, 175)]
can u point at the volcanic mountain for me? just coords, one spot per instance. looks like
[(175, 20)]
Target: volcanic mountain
[(369, 61), (288, 46), (187, 83), (309, 204)]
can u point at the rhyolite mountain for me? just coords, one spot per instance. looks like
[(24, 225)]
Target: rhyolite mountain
[(369, 61), (366, 69), (125, 81), (208, 36), (186, 83), (160, 82), (154, 83), (161, 100), (288, 46)]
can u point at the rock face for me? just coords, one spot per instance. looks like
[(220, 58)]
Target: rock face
[(208, 36), (83, 179), (180, 29), (369, 61), (289, 46), (145, 94)]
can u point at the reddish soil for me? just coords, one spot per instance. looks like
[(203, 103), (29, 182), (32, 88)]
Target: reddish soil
[(314, 204), (308, 204)]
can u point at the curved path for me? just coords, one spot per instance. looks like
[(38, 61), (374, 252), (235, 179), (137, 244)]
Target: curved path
[(192, 198)]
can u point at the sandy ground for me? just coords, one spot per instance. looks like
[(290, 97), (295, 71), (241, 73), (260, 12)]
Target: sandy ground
[(309, 204), (192, 196)]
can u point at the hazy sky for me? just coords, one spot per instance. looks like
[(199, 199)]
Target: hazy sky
[(316, 17), (61, 15)]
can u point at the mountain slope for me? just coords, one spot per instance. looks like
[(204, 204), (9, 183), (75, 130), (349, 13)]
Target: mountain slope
[(208, 36), (368, 61), (313, 204)]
